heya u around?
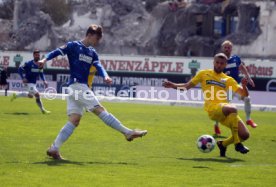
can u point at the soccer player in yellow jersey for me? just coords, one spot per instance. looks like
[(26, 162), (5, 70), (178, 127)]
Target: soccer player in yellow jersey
[(215, 85)]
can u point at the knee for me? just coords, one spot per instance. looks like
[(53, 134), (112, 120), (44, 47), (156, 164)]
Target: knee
[(233, 110), (75, 119), (229, 109), (75, 122), (246, 99), (245, 136), (37, 95), (98, 110)]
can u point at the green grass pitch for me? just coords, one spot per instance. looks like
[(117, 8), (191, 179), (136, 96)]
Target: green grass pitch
[(99, 156)]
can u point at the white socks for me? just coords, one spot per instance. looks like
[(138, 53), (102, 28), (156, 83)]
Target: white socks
[(113, 122), (63, 135), (247, 107), (69, 128)]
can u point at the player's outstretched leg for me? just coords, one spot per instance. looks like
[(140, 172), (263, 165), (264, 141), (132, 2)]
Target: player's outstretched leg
[(243, 135), (239, 131), (247, 109), (113, 122), (15, 96)]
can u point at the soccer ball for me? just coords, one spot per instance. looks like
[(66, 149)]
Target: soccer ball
[(206, 143)]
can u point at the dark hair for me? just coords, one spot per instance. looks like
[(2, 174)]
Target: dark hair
[(36, 51), (95, 29)]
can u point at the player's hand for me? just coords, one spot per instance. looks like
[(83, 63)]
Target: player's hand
[(108, 80), (25, 81), (251, 82), (45, 84), (168, 84), (41, 63), (244, 81)]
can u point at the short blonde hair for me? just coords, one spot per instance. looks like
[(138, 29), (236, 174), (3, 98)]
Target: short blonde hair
[(226, 42), (221, 55)]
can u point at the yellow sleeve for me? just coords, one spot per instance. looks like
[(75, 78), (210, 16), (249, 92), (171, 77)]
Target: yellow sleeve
[(197, 78), (91, 76), (231, 83)]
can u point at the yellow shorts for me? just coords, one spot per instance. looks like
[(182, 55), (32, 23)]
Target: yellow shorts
[(215, 112)]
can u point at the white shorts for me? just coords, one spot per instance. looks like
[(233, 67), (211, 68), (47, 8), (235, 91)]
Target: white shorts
[(31, 88), (80, 97)]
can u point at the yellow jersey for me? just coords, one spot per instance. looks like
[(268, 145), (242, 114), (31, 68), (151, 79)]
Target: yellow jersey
[(214, 86), (91, 76)]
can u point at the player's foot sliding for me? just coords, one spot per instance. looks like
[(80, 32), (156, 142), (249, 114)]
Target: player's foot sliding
[(222, 149), (135, 134), (241, 148), (251, 123)]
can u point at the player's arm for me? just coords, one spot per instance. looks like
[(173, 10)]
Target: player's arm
[(243, 69), (185, 86), (100, 69), (63, 50), (42, 76), (21, 71), (243, 91), (180, 86)]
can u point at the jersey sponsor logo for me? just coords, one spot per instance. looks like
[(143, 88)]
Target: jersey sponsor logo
[(36, 70), (213, 82), (85, 58), (232, 65)]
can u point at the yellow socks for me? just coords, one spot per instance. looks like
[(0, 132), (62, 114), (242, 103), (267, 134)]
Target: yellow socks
[(232, 121)]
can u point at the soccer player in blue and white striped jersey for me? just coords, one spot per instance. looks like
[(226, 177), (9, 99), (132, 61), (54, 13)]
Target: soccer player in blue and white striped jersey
[(29, 72), (82, 56)]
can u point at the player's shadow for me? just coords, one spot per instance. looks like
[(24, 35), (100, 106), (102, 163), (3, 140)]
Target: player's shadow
[(221, 160), (17, 113), (64, 162)]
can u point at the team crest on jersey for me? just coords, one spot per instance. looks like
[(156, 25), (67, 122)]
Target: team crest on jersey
[(223, 80)]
